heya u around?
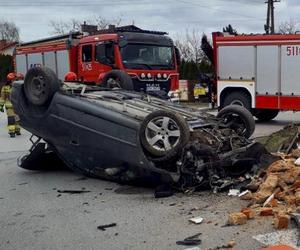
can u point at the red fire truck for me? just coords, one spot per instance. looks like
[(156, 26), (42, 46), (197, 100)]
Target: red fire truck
[(148, 57), (259, 72)]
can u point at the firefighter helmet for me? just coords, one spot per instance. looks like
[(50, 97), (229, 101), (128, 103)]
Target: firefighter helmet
[(11, 77), (70, 77), (19, 76)]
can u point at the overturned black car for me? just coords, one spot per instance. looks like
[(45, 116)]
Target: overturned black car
[(121, 135)]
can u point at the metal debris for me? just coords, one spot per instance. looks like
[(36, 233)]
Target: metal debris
[(104, 227), (190, 241), (73, 191)]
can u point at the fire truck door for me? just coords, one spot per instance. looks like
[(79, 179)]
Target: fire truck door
[(85, 68), (104, 57), (90, 66)]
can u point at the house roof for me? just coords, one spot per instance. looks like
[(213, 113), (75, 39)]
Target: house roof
[(5, 45)]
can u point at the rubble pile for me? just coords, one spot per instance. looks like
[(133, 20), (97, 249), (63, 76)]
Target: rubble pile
[(275, 190)]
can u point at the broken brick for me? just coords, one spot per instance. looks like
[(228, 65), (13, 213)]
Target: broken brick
[(248, 212), (296, 185), (273, 203), (237, 219), (289, 199), (269, 184), (279, 247), (296, 153), (278, 166), (266, 211), (281, 221)]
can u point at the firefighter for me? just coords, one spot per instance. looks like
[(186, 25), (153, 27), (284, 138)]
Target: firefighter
[(5, 101)]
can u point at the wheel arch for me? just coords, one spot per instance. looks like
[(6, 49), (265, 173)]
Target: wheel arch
[(229, 89)]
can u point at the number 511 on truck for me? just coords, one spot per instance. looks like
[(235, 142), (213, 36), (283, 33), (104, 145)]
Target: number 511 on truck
[(259, 72)]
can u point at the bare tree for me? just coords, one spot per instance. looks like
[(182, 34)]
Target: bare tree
[(9, 31), (288, 27), (64, 27), (190, 46)]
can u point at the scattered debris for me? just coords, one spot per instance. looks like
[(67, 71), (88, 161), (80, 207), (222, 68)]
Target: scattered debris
[(287, 237), (73, 191), (23, 183), (279, 247), (196, 220), (248, 212), (281, 221), (193, 248), (233, 192), (104, 227), (190, 241), (231, 243), (297, 162), (242, 194), (271, 197), (237, 219), (266, 211)]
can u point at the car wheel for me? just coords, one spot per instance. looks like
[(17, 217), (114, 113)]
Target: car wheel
[(117, 79), (237, 98), (40, 85), (164, 133), (238, 119), (265, 115)]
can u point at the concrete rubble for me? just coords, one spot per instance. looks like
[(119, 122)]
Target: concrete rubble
[(275, 190)]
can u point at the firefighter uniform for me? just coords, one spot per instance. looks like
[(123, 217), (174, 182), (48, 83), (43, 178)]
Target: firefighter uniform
[(12, 119)]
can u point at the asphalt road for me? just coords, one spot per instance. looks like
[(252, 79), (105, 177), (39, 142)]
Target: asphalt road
[(33, 215)]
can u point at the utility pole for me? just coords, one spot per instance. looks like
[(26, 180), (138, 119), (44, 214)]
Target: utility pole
[(270, 25)]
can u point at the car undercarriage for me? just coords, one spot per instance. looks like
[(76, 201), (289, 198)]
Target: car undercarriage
[(121, 135)]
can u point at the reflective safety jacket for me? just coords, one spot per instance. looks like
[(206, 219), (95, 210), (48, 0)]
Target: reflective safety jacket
[(5, 97)]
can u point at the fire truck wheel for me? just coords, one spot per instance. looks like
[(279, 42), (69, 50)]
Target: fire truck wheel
[(265, 115), (164, 134), (237, 98), (117, 79), (238, 119), (40, 85)]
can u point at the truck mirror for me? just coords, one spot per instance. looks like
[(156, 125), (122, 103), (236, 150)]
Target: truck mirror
[(105, 53), (177, 55), (122, 43)]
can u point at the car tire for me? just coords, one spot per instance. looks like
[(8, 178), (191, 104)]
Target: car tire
[(121, 80), (265, 115), (238, 119), (163, 134), (237, 98), (40, 85)]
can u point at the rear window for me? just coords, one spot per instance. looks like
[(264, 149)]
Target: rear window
[(87, 53)]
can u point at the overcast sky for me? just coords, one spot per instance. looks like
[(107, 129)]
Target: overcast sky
[(173, 16)]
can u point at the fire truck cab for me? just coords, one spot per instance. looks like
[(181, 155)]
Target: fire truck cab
[(148, 57), (259, 72)]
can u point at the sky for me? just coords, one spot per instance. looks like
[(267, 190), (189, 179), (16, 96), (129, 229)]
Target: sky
[(173, 16)]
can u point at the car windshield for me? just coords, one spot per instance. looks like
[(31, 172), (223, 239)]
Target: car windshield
[(145, 56)]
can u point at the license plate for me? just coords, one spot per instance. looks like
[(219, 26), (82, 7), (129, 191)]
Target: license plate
[(152, 87)]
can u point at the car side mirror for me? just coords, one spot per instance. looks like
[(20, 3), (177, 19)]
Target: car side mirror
[(178, 57), (105, 53)]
